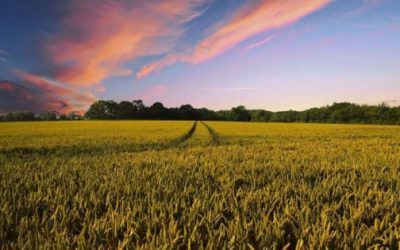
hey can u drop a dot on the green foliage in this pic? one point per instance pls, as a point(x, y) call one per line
point(18, 116)
point(111, 110)
point(240, 114)
point(336, 113)
point(261, 115)
point(185, 185)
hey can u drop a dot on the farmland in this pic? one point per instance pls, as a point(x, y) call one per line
point(214, 185)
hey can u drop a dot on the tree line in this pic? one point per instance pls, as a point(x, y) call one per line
point(125, 110)
point(41, 116)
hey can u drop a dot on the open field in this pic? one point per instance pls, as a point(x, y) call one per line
point(215, 185)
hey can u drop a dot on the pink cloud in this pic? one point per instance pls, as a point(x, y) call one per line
point(6, 86)
point(94, 39)
point(154, 92)
point(246, 22)
point(33, 92)
point(153, 67)
point(98, 37)
point(253, 20)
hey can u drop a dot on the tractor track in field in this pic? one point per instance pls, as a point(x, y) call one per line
point(77, 150)
point(214, 135)
point(189, 134)
point(98, 150)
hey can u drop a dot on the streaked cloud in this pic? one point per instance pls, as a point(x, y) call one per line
point(249, 20)
point(97, 38)
point(35, 93)
point(154, 92)
point(3, 53)
point(94, 39)
point(367, 5)
point(164, 62)
point(229, 88)
point(252, 20)
point(261, 42)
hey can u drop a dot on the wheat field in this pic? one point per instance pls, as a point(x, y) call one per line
point(198, 185)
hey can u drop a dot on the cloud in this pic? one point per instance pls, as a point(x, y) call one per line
point(3, 53)
point(164, 62)
point(252, 20)
point(154, 92)
point(373, 1)
point(35, 93)
point(229, 88)
point(97, 38)
point(261, 42)
point(362, 8)
point(93, 41)
point(249, 20)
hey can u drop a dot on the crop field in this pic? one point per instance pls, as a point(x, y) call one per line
point(198, 185)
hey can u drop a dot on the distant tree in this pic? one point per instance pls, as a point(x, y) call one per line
point(98, 110)
point(47, 116)
point(74, 116)
point(157, 111)
point(64, 117)
point(338, 113)
point(286, 116)
point(140, 109)
point(127, 110)
point(240, 114)
point(187, 112)
point(205, 114)
point(138, 104)
point(261, 116)
point(18, 116)
point(112, 109)
point(386, 114)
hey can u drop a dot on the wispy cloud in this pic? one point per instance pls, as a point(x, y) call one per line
point(94, 40)
point(228, 88)
point(3, 53)
point(365, 6)
point(164, 62)
point(261, 42)
point(154, 92)
point(32, 92)
point(252, 20)
point(98, 37)
point(246, 22)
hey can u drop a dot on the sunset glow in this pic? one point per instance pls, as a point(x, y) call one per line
point(266, 54)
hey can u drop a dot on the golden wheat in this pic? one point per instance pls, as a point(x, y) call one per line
point(214, 185)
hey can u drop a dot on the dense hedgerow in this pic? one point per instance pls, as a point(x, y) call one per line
point(223, 185)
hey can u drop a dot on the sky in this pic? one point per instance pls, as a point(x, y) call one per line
point(263, 54)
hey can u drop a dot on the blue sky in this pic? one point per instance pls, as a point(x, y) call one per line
point(268, 54)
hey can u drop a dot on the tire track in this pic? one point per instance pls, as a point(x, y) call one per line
point(189, 134)
point(214, 135)
point(78, 150)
